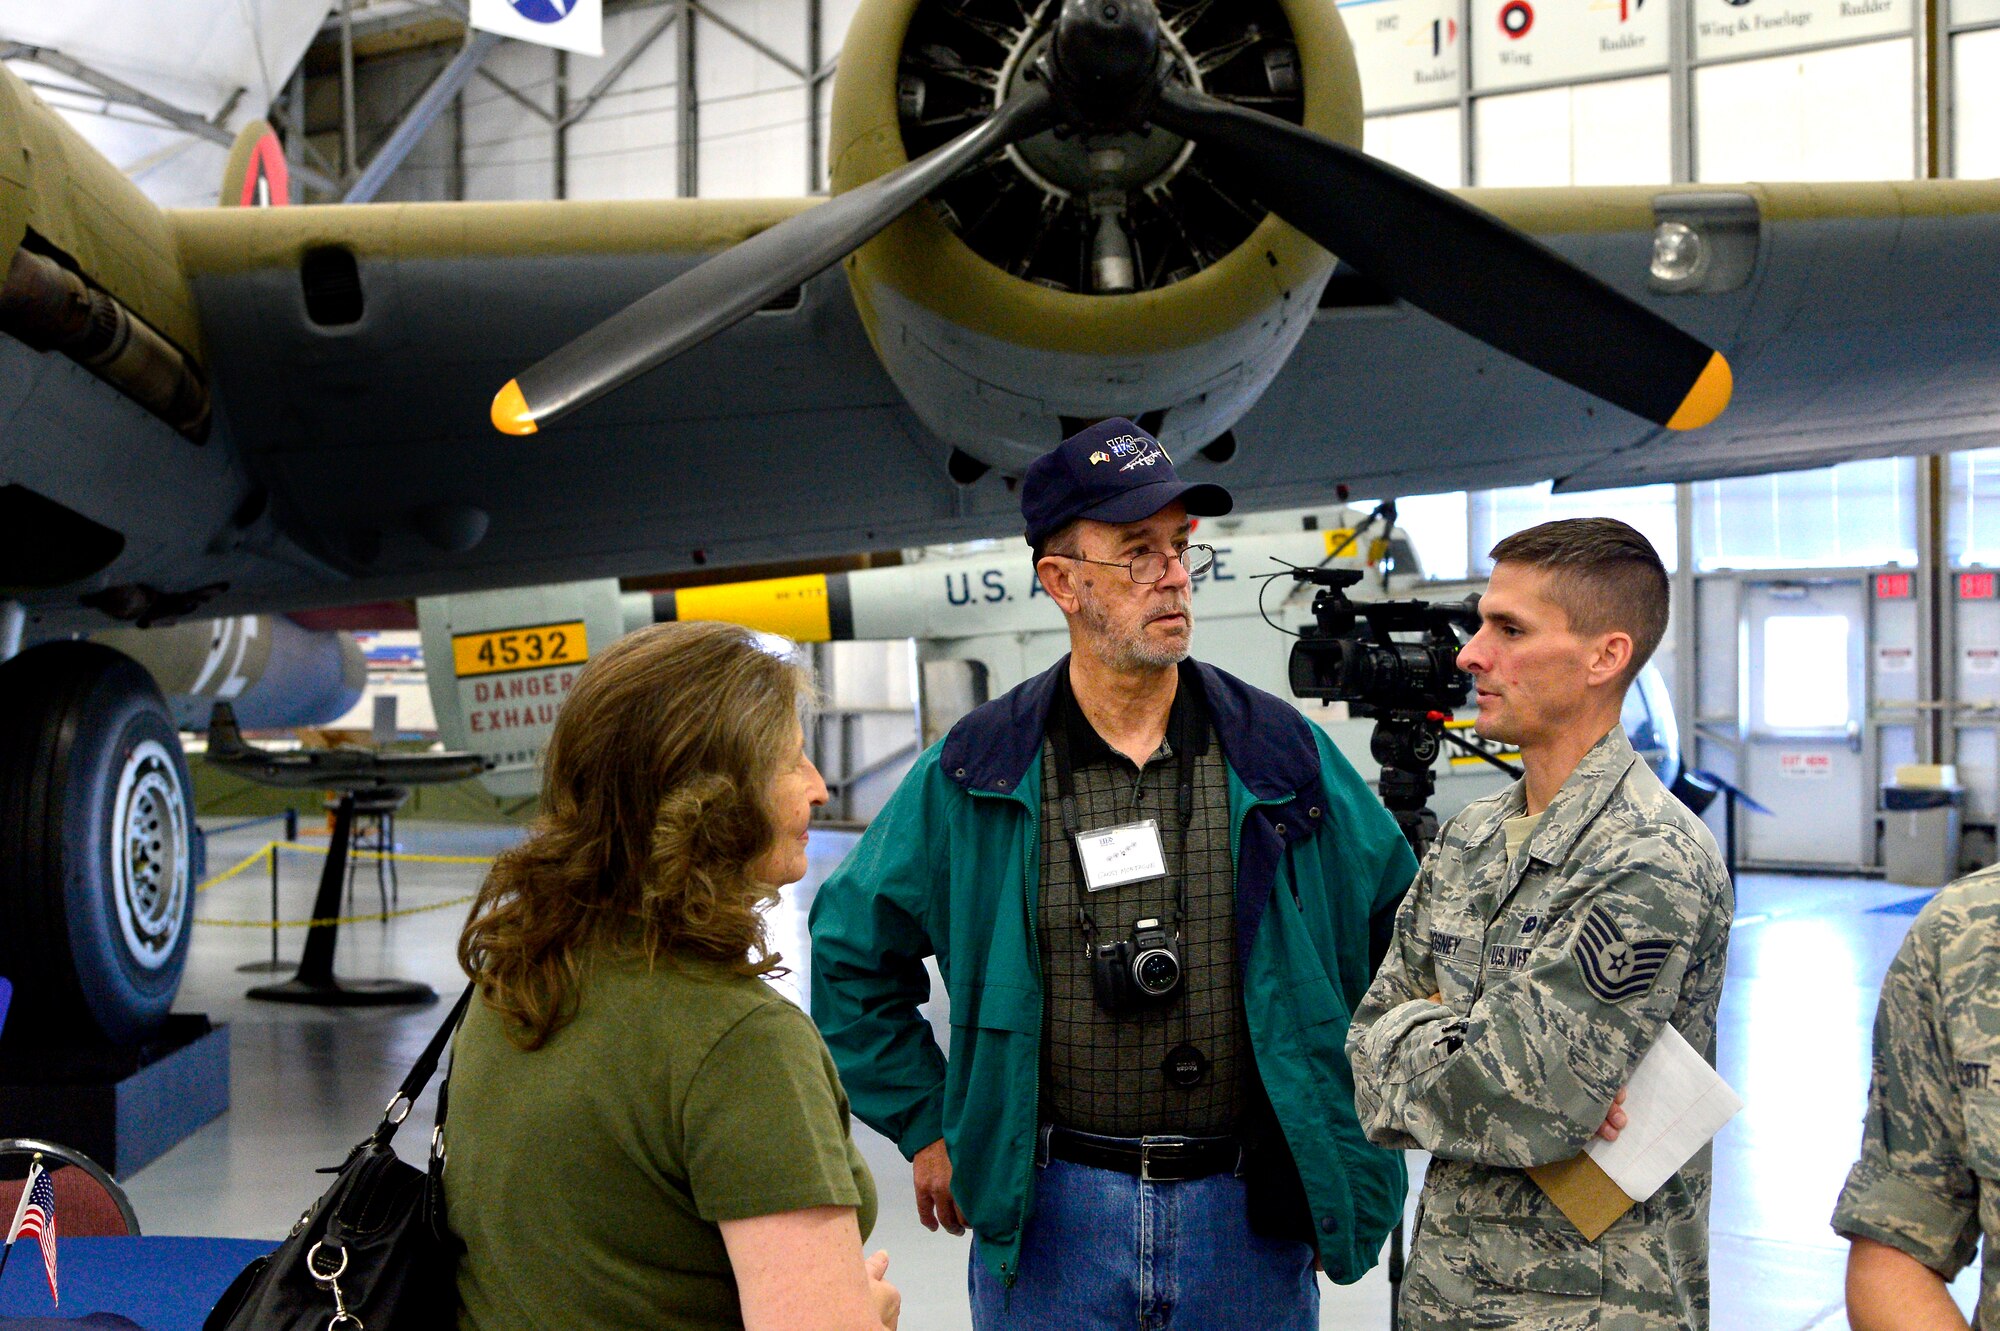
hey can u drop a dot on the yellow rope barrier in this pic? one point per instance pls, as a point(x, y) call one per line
point(337, 920)
point(273, 847)
point(400, 857)
point(228, 874)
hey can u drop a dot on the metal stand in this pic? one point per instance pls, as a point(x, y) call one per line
point(275, 966)
point(315, 983)
point(376, 810)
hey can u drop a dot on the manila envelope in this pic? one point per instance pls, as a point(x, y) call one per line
point(1582, 1191)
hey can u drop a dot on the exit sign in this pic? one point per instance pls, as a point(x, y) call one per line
point(1976, 586)
point(1894, 586)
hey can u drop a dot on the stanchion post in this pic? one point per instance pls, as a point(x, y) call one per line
point(272, 851)
point(291, 824)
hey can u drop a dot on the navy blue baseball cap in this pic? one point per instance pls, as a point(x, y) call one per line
point(1112, 472)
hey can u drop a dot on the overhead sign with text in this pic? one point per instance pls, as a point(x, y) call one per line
point(1409, 51)
point(1750, 27)
point(1519, 42)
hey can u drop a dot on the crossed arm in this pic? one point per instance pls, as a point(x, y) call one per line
point(1537, 1063)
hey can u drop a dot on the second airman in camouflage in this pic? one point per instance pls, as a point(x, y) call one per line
point(1553, 930)
point(1927, 1186)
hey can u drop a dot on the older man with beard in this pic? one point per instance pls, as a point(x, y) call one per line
point(1154, 894)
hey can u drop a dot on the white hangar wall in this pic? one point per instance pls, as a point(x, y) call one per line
point(535, 123)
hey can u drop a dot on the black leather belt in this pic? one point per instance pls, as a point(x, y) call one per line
point(1153, 1159)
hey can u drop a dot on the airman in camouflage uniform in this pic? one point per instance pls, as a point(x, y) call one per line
point(1553, 974)
point(1552, 933)
point(1928, 1181)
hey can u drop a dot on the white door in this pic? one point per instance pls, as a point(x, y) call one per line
point(1804, 698)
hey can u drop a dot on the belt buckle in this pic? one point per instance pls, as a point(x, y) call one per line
point(1147, 1145)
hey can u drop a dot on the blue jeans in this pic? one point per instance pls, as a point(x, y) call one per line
point(1104, 1249)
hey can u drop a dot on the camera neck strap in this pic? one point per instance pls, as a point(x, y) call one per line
point(1180, 733)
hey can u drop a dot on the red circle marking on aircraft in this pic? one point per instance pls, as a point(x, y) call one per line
point(1516, 17)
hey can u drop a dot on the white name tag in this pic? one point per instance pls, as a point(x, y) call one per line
point(1115, 856)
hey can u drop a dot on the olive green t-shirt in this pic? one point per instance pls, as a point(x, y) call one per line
point(588, 1178)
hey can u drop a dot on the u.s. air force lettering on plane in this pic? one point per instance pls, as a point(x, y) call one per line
point(997, 584)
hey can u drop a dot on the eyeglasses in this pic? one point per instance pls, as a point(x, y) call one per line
point(1152, 566)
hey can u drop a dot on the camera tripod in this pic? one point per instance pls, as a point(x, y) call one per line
point(1406, 743)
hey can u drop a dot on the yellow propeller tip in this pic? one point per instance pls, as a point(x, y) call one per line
point(510, 411)
point(1706, 400)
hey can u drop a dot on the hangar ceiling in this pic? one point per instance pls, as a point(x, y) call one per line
point(216, 61)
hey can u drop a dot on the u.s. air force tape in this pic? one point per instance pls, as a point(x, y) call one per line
point(1615, 968)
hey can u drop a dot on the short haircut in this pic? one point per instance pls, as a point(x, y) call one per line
point(1604, 576)
point(1062, 541)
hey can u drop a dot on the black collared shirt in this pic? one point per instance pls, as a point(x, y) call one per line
point(1106, 1074)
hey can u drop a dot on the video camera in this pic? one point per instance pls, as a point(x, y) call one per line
point(1349, 656)
point(1410, 689)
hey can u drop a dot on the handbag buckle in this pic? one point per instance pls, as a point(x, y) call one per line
point(312, 1265)
point(398, 1109)
point(342, 1319)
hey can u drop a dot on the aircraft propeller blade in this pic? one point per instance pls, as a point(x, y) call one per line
point(1460, 264)
point(738, 282)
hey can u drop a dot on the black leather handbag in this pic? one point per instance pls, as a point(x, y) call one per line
point(373, 1253)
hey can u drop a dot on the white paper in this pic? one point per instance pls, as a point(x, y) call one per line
point(1116, 856)
point(1675, 1103)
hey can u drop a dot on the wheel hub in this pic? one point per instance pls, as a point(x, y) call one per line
point(149, 859)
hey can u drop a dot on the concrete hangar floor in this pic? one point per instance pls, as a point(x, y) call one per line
point(1806, 960)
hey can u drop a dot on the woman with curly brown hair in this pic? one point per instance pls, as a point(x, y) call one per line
point(642, 1132)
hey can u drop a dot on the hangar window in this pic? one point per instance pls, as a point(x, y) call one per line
point(1424, 143)
point(1975, 104)
point(1615, 133)
point(1972, 522)
point(1436, 527)
point(1809, 692)
point(332, 282)
point(1841, 114)
point(1496, 514)
point(1857, 515)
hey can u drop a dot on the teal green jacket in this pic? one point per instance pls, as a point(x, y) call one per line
point(950, 869)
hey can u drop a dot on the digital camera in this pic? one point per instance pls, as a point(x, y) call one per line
point(1139, 973)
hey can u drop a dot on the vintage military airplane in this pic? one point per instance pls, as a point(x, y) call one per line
point(330, 769)
point(1125, 207)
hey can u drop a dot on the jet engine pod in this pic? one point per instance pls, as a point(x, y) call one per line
point(1081, 274)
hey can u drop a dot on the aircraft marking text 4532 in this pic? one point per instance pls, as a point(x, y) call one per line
point(534, 648)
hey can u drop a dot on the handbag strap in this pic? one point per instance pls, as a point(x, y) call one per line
point(421, 1073)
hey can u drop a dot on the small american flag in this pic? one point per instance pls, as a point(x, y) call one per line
point(36, 1215)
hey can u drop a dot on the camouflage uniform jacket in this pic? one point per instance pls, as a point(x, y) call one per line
point(1555, 972)
point(1928, 1181)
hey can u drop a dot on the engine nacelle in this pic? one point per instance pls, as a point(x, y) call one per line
point(1077, 278)
point(274, 674)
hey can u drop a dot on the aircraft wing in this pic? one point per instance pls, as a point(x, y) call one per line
point(782, 437)
point(352, 459)
point(1865, 323)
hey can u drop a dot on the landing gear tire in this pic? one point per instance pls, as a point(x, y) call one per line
point(98, 847)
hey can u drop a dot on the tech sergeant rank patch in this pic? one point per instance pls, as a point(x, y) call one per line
point(1614, 968)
